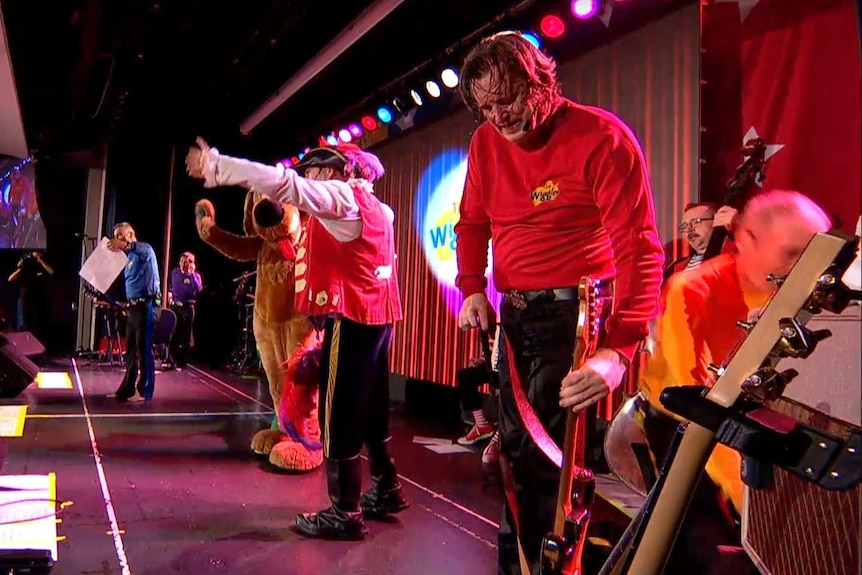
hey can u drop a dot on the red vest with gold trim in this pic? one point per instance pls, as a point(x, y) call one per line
point(356, 280)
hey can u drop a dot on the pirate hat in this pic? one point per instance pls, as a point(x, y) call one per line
point(320, 158)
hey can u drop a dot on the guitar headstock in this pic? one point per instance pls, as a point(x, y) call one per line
point(812, 285)
point(595, 300)
point(751, 171)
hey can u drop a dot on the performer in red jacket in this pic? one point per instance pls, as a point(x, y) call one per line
point(562, 191)
point(346, 283)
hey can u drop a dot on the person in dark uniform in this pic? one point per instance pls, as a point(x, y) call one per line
point(32, 276)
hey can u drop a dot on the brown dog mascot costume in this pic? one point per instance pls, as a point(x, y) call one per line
point(272, 230)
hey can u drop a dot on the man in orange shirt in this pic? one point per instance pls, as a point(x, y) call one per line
point(698, 326)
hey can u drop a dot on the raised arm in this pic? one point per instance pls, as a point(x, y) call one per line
point(331, 201)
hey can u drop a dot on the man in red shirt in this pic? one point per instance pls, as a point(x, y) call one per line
point(347, 285)
point(562, 191)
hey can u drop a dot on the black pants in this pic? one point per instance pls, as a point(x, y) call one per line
point(706, 524)
point(542, 337)
point(354, 401)
point(182, 337)
point(470, 379)
point(140, 363)
point(32, 313)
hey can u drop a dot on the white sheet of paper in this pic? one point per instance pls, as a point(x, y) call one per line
point(28, 516)
point(431, 440)
point(103, 266)
point(445, 449)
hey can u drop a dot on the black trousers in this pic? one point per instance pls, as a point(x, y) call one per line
point(542, 337)
point(354, 405)
point(470, 379)
point(140, 363)
point(706, 525)
point(182, 337)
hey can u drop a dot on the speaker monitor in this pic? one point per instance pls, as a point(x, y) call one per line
point(17, 371)
point(24, 342)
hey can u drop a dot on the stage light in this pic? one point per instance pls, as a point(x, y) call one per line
point(306, 150)
point(552, 26)
point(432, 88)
point(401, 105)
point(584, 9)
point(344, 135)
point(416, 97)
point(449, 77)
point(384, 114)
point(294, 160)
point(533, 39)
point(332, 140)
point(300, 155)
point(369, 123)
point(355, 130)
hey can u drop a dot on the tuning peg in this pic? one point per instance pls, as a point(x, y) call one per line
point(746, 325)
point(820, 334)
point(788, 375)
point(716, 369)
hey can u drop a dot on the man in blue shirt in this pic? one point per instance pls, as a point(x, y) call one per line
point(142, 289)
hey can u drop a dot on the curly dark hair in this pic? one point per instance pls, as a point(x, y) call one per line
point(515, 63)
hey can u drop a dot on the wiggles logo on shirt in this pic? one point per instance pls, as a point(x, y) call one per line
point(547, 192)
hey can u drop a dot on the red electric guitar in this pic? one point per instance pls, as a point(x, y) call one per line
point(563, 548)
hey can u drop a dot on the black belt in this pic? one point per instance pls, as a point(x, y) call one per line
point(142, 300)
point(519, 299)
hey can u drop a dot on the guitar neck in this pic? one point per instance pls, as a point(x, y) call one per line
point(716, 243)
point(573, 458)
point(672, 501)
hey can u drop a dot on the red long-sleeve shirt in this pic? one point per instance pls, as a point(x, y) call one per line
point(571, 198)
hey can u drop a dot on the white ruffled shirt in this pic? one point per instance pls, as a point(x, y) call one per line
point(331, 201)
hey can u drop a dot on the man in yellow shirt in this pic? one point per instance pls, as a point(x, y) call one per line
point(698, 326)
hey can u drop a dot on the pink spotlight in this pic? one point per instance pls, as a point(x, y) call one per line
point(584, 9)
point(355, 130)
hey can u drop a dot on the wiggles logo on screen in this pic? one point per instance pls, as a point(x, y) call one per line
point(437, 211)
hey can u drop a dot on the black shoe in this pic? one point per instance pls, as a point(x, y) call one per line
point(332, 523)
point(377, 502)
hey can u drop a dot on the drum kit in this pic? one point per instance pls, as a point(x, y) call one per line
point(244, 360)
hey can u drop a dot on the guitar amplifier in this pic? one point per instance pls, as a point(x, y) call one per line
point(796, 527)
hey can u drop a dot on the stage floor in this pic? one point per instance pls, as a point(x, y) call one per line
point(171, 486)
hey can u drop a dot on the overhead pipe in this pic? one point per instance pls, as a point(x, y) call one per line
point(372, 16)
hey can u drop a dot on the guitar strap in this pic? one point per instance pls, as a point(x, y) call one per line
point(531, 422)
point(537, 433)
point(509, 489)
point(505, 467)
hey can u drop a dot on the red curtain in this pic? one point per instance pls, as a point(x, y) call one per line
point(796, 69)
point(649, 78)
